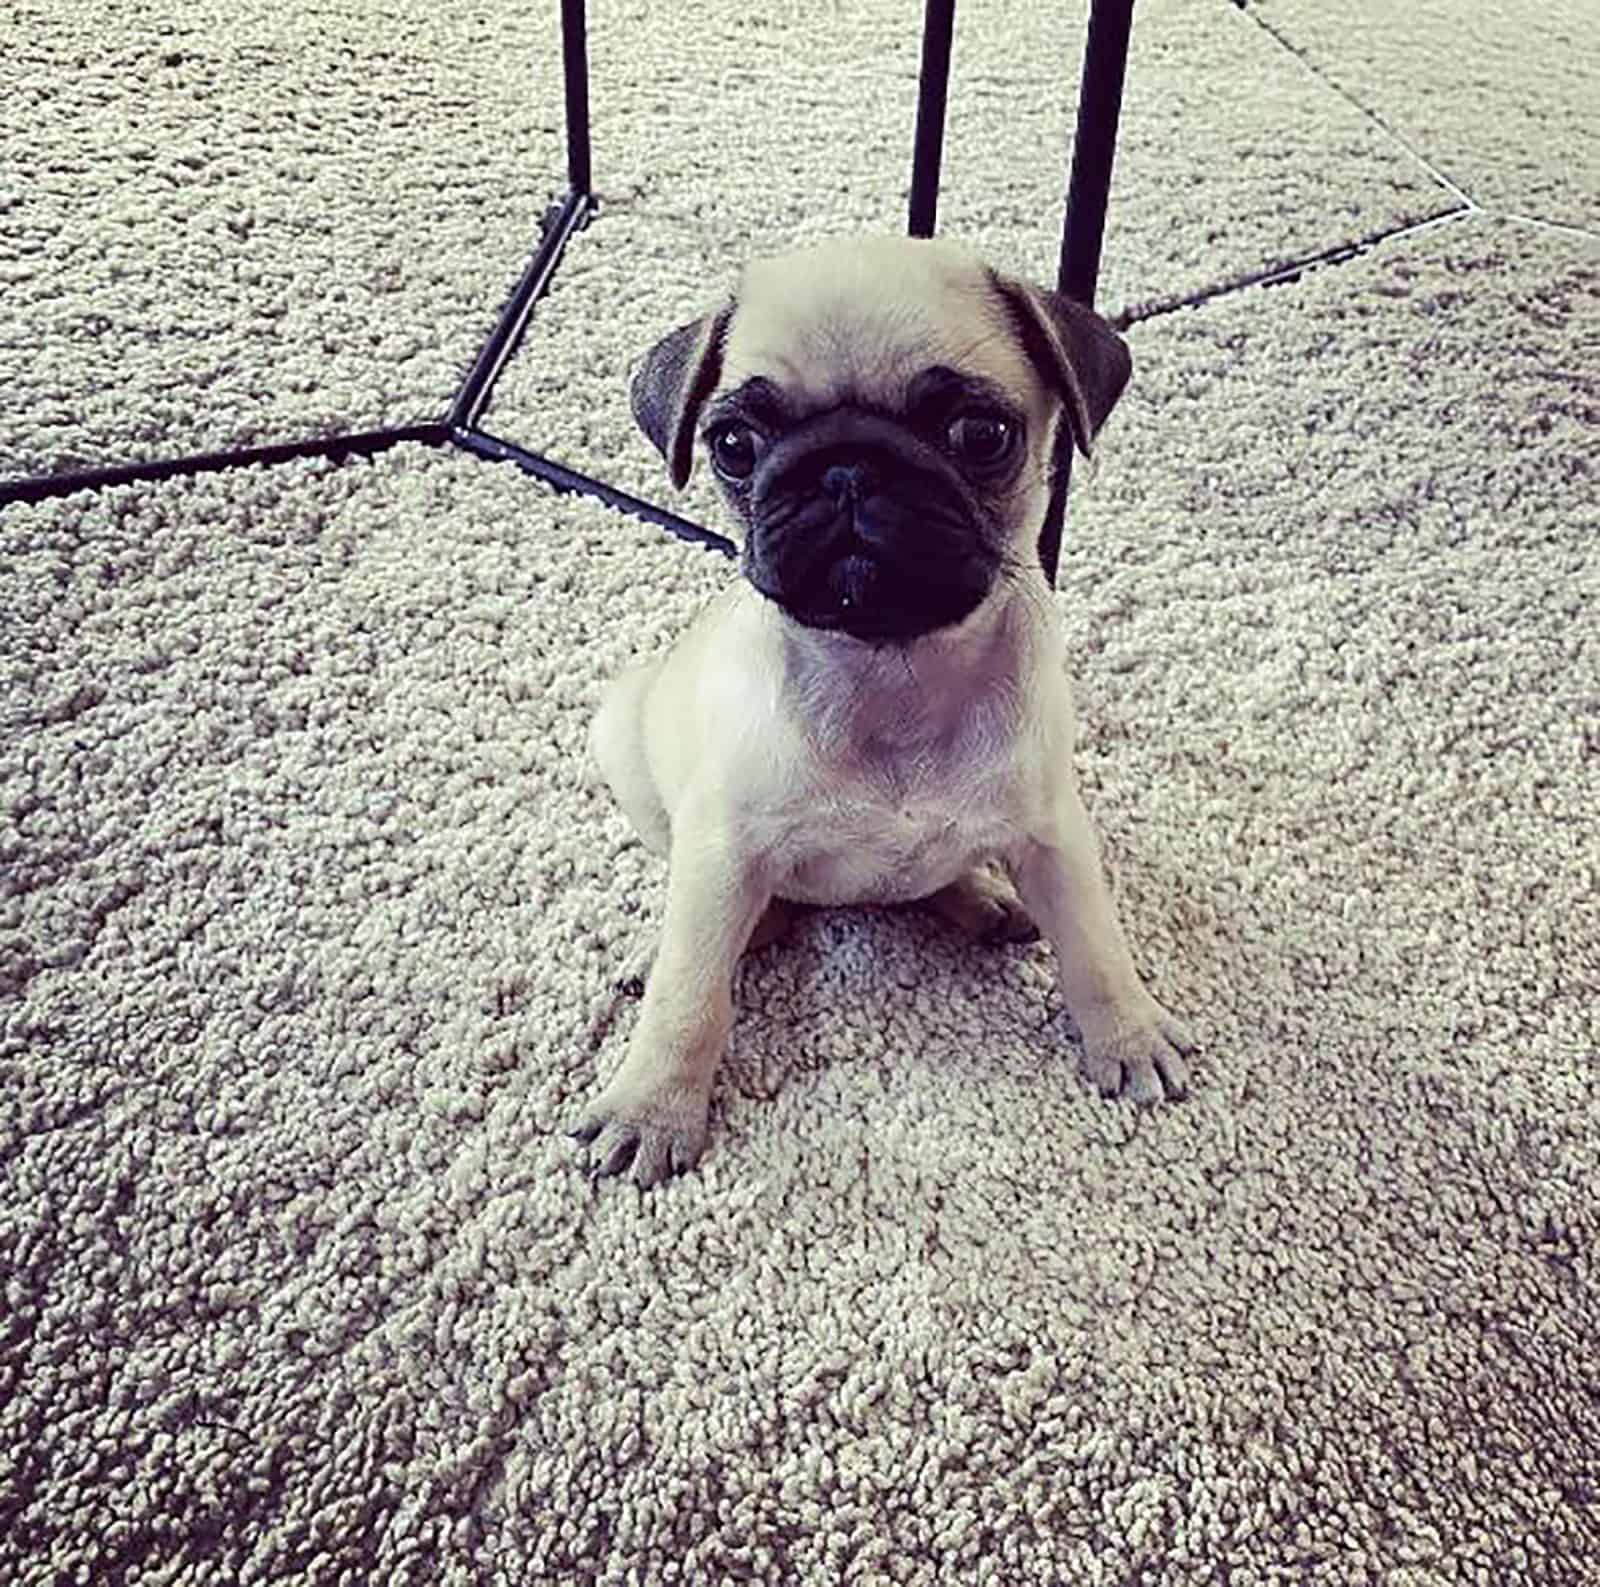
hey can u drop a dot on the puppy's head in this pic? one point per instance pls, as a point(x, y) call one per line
point(880, 414)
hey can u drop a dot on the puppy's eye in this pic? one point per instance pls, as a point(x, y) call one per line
point(982, 440)
point(734, 450)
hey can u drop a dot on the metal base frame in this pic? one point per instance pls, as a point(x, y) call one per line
point(1094, 147)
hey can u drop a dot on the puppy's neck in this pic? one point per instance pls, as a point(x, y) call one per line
point(853, 695)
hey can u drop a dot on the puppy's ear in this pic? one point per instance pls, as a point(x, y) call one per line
point(672, 384)
point(1081, 358)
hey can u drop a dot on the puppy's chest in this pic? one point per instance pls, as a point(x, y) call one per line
point(889, 827)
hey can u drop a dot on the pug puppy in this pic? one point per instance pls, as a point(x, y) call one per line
point(877, 712)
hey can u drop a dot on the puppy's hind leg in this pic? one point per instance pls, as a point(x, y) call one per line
point(618, 748)
point(982, 904)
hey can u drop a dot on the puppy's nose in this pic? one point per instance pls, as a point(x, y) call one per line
point(846, 481)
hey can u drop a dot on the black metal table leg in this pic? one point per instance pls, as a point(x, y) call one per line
point(560, 222)
point(938, 24)
point(1094, 147)
point(575, 71)
point(1105, 62)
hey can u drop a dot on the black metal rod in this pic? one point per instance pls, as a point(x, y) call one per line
point(365, 443)
point(1281, 274)
point(570, 481)
point(575, 68)
point(933, 82)
point(1094, 148)
point(502, 343)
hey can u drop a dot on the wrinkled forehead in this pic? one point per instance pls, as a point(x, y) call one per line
point(859, 322)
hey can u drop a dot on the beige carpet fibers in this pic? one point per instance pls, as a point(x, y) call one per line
point(1500, 95)
point(309, 918)
point(1233, 159)
point(308, 923)
point(223, 225)
point(761, 123)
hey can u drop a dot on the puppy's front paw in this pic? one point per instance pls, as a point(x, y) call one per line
point(648, 1133)
point(1139, 1054)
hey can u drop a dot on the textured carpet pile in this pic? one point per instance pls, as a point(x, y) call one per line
point(309, 919)
point(226, 225)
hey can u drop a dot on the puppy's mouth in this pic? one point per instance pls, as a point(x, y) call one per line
point(869, 545)
point(846, 595)
point(855, 593)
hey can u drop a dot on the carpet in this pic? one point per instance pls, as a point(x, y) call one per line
point(1492, 95)
point(224, 226)
point(309, 920)
point(1233, 160)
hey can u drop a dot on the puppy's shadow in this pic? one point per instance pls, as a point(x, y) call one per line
point(842, 987)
